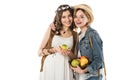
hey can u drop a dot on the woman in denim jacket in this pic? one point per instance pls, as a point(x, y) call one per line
point(83, 17)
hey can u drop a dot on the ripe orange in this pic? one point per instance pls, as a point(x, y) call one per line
point(83, 62)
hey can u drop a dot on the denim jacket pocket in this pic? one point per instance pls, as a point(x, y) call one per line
point(85, 44)
point(86, 49)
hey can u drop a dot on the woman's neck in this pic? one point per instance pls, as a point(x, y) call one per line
point(65, 29)
point(83, 29)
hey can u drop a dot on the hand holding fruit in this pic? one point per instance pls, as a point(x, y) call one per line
point(79, 70)
point(79, 65)
point(65, 49)
point(57, 49)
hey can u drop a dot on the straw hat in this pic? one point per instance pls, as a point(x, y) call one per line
point(86, 8)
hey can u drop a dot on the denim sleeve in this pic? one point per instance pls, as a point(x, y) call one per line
point(97, 52)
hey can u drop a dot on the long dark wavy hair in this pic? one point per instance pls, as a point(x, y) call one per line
point(58, 16)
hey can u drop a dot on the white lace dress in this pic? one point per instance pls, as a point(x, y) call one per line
point(56, 66)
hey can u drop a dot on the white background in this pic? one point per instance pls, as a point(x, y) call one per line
point(24, 22)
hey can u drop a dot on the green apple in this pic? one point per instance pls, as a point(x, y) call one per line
point(64, 46)
point(75, 62)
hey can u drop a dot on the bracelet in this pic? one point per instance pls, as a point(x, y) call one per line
point(46, 52)
point(50, 50)
point(42, 51)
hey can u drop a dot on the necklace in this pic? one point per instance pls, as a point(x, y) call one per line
point(65, 31)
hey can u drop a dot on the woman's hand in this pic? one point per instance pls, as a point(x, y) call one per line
point(52, 26)
point(66, 52)
point(57, 49)
point(62, 51)
point(79, 70)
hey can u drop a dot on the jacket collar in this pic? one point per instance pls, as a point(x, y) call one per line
point(87, 31)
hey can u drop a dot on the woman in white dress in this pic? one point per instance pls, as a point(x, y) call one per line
point(56, 62)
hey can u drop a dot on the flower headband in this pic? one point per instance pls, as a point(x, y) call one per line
point(63, 8)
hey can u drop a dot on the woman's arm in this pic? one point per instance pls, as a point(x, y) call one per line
point(97, 52)
point(44, 41)
point(79, 70)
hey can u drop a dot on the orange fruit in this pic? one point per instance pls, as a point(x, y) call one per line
point(83, 61)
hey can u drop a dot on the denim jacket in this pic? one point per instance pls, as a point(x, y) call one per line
point(94, 54)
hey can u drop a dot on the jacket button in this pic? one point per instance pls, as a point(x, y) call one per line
point(86, 47)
